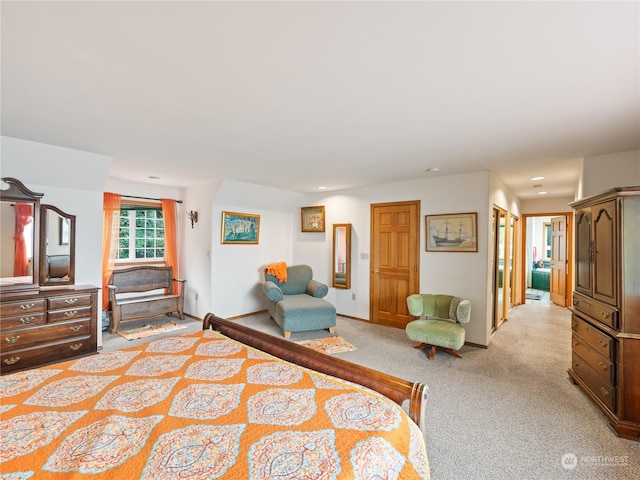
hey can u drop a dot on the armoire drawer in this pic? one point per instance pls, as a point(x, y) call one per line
point(600, 388)
point(598, 340)
point(600, 364)
point(32, 337)
point(599, 311)
point(36, 356)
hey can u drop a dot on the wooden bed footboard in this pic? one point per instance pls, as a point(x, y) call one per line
point(409, 395)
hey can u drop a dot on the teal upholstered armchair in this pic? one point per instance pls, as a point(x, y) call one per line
point(297, 304)
point(438, 323)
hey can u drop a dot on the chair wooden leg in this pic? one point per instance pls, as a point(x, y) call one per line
point(420, 345)
point(287, 334)
point(432, 353)
point(451, 351)
point(332, 329)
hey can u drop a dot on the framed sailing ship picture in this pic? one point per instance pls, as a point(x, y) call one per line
point(452, 232)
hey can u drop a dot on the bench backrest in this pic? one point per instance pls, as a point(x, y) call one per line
point(142, 279)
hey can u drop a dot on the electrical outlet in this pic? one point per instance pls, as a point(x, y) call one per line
point(196, 295)
point(353, 296)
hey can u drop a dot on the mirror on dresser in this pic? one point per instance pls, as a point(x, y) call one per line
point(342, 255)
point(57, 246)
point(20, 230)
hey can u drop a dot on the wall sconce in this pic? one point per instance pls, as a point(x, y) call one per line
point(193, 216)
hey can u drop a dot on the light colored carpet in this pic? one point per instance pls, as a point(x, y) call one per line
point(502, 413)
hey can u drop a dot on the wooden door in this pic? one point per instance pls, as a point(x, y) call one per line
point(395, 240)
point(558, 283)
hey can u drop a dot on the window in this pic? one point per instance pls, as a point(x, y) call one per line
point(141, 233)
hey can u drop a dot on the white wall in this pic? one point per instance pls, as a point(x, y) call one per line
point(599, 173)
point(461, 274)
point(73, 181)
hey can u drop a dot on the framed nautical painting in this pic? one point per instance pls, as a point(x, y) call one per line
point(312, 219)
point(452, 232)
point(240, 228)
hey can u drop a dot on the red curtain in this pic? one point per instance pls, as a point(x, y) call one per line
point(170, 235)
point(110, 235)
point(24, 216)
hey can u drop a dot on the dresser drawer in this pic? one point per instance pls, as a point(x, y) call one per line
point(601, 365)
point(597, 310)
point(600, 388)
point(21, 321)
point(56, 303)
point(70, 314)
point(31, 337)
point(37, 356)
point(22, 307)
point(599, 341)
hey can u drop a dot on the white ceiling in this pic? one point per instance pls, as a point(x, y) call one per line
point(295, 95)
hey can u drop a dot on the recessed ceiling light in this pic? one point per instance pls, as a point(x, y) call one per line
point(535, 179)
point(433, 169)
point(322, 188)
point(153, 177)
point(541, 193)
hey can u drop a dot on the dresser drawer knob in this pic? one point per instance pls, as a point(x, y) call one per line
point(604, 366)
point(70, 313)
point(575, 343)
point(605, 315)
point(12, 339)
point(11, 361)
point(75, 346)
point(70, 301)
point(27, 306)
point(604, 391)
point(27, 320)
point(602, 343)
point(75, 328)
point(574, 324)
point(576, 301)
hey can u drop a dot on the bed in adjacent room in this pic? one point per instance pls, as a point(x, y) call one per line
point(213, 404)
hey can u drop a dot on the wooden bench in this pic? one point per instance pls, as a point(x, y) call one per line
point(139, 280)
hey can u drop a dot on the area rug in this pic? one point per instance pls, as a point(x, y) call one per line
point(150, 330)
point(533, 296)
point(329, 345)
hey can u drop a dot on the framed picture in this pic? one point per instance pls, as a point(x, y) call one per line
point(64, 231)
point(455, 232)
point(240, 228)
point(312, 219)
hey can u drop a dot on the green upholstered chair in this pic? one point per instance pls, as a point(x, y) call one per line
point(297, 305)
point(438, 322)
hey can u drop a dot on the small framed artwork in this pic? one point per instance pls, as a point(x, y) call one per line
point(240, 228)
point(454, 232)
point(64, 231)
point(312, 219)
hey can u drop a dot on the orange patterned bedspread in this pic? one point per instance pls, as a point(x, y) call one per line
point(199, 406)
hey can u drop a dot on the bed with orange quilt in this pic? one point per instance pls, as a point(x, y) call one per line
point(206, 405)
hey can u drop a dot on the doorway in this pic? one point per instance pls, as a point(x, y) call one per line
point(395, 243)
point(505, 228)
point(547, 275)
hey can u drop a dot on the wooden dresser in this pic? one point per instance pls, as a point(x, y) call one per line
point(48, 326)
point(606, 305)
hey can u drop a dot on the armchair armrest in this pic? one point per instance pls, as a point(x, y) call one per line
point(317, 289)
point(272, 291)
point(463, 311)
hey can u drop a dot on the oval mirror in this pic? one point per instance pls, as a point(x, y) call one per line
point(19, 229)
point(342, 255)
point(57, 246)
